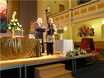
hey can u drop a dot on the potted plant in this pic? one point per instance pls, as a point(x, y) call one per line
point(31, 34)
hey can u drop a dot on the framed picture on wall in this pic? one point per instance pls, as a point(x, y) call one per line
point(3, 16)
point(49, 8)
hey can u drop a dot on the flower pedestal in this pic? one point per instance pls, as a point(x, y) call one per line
point(13, 33)
point(60, 36)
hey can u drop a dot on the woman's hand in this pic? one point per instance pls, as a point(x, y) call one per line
point(47, 30)
point(43, 27)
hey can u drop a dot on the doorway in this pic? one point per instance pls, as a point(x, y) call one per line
point(61, 8)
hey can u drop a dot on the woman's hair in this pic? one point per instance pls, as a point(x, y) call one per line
point(39, 20)
point(50, 20)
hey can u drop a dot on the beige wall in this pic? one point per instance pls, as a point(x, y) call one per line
point(55, 5)
point(13, 6)
point(74, 3)
point(97, 28)
point(66, 34)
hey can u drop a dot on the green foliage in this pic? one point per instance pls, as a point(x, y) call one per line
point(31, 32)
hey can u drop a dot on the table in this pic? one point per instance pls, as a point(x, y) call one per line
point(87, 43)
point(17, 48)
point(63, 45)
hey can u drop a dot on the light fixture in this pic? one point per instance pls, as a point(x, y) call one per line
point(92, 26)
point(102, 21)
point(65, 28)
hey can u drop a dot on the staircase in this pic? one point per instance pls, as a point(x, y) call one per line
point(52, 71)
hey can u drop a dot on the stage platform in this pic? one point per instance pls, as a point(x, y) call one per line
point(8, 64)
point(45, 59)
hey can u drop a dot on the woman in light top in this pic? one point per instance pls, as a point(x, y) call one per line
point(51, 28)
point(39, 29)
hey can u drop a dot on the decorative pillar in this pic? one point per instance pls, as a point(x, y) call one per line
point(71, 19)
point(70, 23)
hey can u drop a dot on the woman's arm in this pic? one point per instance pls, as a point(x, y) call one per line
point(37, 27)
point(54, 27)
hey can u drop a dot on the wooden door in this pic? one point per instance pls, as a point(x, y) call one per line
point(61, 8)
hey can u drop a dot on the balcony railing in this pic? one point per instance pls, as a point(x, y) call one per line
point(84, 12)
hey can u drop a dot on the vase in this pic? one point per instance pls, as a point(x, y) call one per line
point(86, 36)
point(13, 33)
point(60, 36)
point(31, 36)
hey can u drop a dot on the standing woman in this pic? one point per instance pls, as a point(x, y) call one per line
point(39, 29)
point(51, 28)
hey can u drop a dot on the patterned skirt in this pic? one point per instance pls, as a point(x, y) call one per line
point(50, 38)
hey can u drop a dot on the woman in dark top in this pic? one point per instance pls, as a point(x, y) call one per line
point(39, 29)
point(51, 28)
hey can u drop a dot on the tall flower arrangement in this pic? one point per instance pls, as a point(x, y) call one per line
point(32, 30)
point(14, 24)
point(60, 28)
point(86, 31)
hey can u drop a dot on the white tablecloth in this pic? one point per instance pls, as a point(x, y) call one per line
point(63, 45)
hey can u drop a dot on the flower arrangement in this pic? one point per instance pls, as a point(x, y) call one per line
point(76, 53)
point(60, 28)
point(83, 52)
point(14, 24)
point(32, 30)
point(86, 31)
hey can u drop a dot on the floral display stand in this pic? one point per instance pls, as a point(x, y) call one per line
point(87, 43)
point(13, 33)
point(14, 26)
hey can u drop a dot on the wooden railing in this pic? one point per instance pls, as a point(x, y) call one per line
point(88, 11)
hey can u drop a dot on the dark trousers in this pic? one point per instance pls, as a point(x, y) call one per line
point(49, 48)
point(42, 46)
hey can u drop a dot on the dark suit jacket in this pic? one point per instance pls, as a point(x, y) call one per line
point(39, 31)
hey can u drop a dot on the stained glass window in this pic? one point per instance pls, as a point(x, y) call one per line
point(3, 16)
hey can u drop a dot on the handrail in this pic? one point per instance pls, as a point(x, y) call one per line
point(59, 13)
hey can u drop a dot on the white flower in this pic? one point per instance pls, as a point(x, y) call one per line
point(17, 23)
point(20, 25)
point(16, 19)
point(18, 29)
point(12, 20)
point(9, 27)
point(14, 24)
